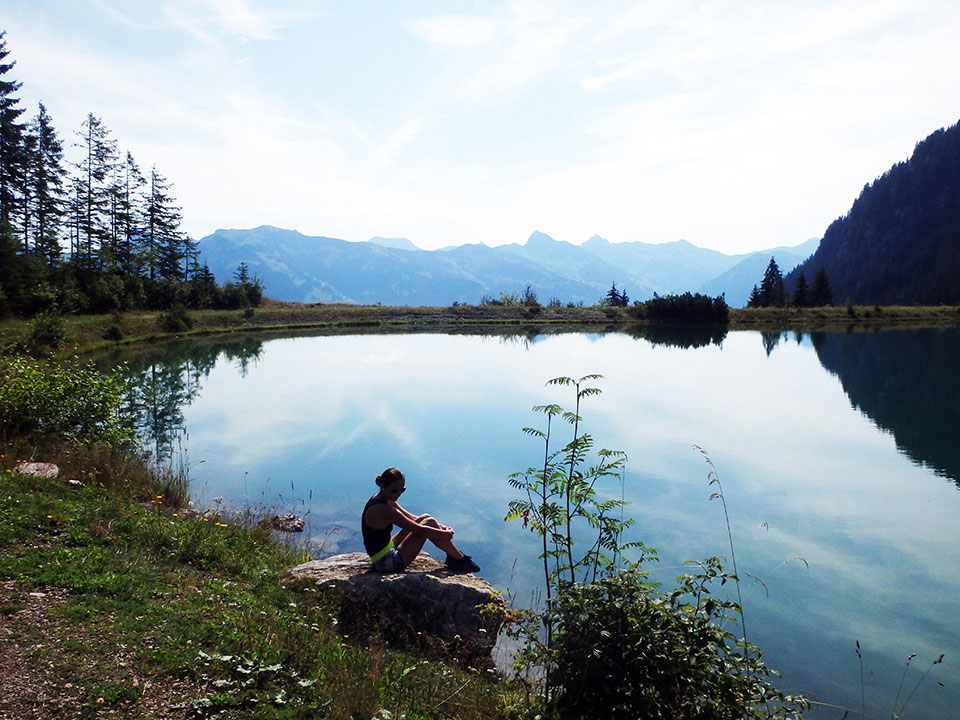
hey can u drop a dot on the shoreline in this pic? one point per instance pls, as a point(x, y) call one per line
point(85, 334)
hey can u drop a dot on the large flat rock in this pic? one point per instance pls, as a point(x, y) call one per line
point(428, 606)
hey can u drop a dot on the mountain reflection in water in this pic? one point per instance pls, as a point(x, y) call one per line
point(907, 383)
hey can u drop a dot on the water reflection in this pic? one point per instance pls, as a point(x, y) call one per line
point(308, 422)
point(164, 379)
point(905, 381)
point(680, 336)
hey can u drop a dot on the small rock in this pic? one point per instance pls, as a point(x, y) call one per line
point(38, 469)
point(284, 523)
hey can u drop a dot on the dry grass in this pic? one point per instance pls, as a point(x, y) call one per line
point(843, 317)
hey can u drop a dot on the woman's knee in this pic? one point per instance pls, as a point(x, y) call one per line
point(428, 520)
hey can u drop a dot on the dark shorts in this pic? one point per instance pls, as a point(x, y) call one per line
point(389, 563)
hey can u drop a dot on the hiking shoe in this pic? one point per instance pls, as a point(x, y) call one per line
point(461, 565)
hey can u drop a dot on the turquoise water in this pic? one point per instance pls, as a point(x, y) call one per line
point(837, 453)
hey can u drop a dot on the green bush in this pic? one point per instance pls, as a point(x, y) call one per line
point(176, 319)
point(47, 330)
point(689, 307)
point(76, 402)
point(530, 297)
point(113, 332)
point(623, 650)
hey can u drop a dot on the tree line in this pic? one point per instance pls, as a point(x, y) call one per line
point(98, 234)
point(772, 291)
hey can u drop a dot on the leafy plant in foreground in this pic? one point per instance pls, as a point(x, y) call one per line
point(609, 642)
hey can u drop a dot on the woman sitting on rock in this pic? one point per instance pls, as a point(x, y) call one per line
point(393, 554)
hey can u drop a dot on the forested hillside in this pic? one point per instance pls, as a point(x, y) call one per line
point(900, 242)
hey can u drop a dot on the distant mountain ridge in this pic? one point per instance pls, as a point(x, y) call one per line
point(297, 267)
point(393, 271)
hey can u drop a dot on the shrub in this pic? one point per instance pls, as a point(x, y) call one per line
point(76, 402)
point(47, 330)
point(176, 319)
point(688, 307)
point(621, 649)
point(530, 297)
point(113, 332)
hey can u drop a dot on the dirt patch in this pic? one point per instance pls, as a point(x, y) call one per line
point(38, 677)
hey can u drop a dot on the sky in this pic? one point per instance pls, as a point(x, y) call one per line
point(736, 125)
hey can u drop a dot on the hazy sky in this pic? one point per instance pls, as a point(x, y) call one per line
point(737, 125)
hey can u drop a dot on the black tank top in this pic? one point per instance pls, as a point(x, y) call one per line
point(374, 540)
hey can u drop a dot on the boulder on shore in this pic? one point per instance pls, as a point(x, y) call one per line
point(288, 522)
point(451, 614)
point(38, 469)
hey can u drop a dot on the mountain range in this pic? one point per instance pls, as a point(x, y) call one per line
point(393, 271)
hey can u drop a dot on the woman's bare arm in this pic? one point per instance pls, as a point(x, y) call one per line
point(410, 524)
point(413, 517)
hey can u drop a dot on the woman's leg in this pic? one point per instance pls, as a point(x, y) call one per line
point(408, 546)
point(446, 545)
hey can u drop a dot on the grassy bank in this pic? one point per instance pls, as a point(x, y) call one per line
point(842, 317)
point(91, 332)
point(115, 600)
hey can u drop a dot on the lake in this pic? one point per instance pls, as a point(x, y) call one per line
point(838, 454)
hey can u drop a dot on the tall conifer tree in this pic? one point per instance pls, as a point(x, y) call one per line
point(801, 295)
point(129, 217)
point(162, 230)
point(12, 159)
point(96, 169)
point(771, 287)
point(822, 293)
point(45, 186)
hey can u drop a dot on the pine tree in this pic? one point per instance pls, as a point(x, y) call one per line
point(755, 299)
point(615, 298)
point(203, 288)
point(771, 287)
point(800, 295)
point(45, 187)
point(96, 171)
point(822, 293)
point(12, 158)
point(162, 230)
point(9, 268)
point(28, 148)
point(74, 215)
point(191, 257)
point(128, 216)
point(242, 273)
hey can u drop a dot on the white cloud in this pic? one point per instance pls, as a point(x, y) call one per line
point(455, 30)
point(208, 20)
